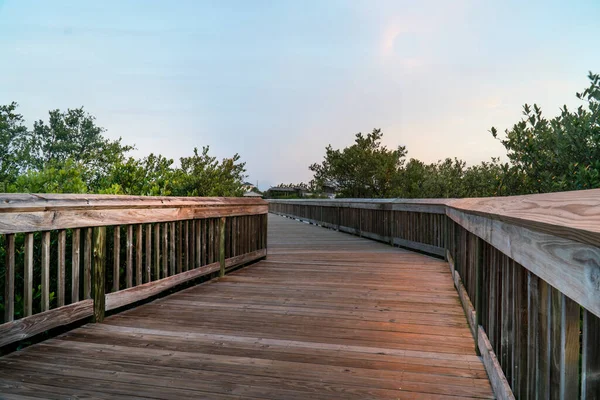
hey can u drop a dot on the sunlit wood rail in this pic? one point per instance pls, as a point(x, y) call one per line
point(326, 316)
point(527, 269)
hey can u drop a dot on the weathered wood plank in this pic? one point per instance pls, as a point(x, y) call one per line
point(75, 265)
point(87, 264)
point(99, 275)
point(590, 357)
point(129, 262)
point(116, 258)
point(27, 327)
point(139, 255)
point(60, 276)
point(148, 267)
point(28, 276)
point(571, 267)
point(9, 278)
point(45, 286)
point(30, 221)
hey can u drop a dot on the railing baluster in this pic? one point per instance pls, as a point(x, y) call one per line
point(28, 276)
point(139, 256)
point(87, 264)
point(179, 246)
point(165, 255)
point(198, 228)
point(222, 246)
point(172, 269)
point(116, 258)
point(148, 252)
point(9, 283)
point(129, 265)
point(590, 357)
point(60, 279)
point(99, 276)
point(45, 271)
point(186, 249)
point(156, 252)
point(75, 261)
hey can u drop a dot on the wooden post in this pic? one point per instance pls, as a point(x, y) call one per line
point(222, 246)
point(99, 261)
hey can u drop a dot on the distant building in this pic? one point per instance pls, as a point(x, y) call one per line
point(283, 192)
point(248, 187)
point(330, 189)
point(253, 194)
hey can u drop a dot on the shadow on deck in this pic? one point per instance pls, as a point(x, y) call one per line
point(326, 316)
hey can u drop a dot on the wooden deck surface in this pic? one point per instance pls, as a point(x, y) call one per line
point(326, 316)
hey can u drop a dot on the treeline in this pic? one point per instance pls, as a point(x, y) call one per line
point(545, 155)
point(70, 154)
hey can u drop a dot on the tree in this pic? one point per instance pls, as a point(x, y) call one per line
point(562, 153)
point(150, 176)
point(202, 175)
point(73, 136)
point(365, 169)
point(12, 132)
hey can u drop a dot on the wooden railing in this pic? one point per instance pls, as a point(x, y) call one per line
point(68, 257)
point(527, 269)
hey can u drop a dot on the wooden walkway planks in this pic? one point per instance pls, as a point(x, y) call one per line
point(326, 316)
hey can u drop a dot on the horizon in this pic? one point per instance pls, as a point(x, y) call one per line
point(276, 82)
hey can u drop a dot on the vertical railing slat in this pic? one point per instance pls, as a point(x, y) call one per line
point(139, 256)
point(156, 251)
point(9, 279)
point(45, 271)
point(99, 275)
point(165, 250)
point(87, 264)
point(75, 261)
point(172, 269)
point(129, 265)
point(590, 357)
point(148, 253)
point(116, 258)
point(60, 279)
point(28, 276)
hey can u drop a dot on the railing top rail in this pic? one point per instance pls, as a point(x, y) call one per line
point(33, 212)
point(24, 202)
point(573, 215)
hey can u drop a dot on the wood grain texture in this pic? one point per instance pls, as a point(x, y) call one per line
point(28, 276)
point(571, 267)
point(45, 286)
point(75, 264)
point(116, 259)
point(31, 221)
point(99, 272)
point(87, 264)
point(24, 328)
point(327, 316)
point(61, 273)
point(590, 357)
point(9, 278)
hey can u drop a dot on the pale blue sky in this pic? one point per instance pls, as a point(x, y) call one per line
point(276, 81)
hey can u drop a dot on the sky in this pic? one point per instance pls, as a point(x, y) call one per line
point(277, 81)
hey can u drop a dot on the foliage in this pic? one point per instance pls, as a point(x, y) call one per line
point(70, 154)
point(202, 175)
point(546, 155)
point(562, 153)
point(11, 132)
point(365, 169)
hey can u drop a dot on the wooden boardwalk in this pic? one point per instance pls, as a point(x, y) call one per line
point(326, 316)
